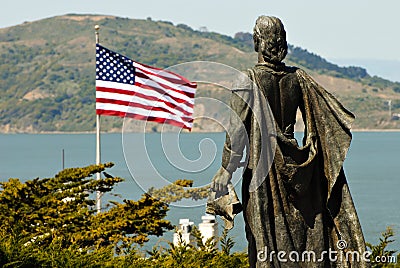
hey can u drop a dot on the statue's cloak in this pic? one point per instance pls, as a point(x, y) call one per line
point(296, 198)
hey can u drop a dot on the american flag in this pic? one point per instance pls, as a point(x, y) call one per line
point(128, 88)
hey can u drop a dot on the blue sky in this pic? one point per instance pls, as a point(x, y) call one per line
point(358, 32)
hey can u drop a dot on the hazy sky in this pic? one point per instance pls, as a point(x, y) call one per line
point(341, 29)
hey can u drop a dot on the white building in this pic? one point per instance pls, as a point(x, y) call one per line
point(208, 229)
point(183, 234)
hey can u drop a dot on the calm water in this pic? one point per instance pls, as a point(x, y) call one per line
point(372, 169)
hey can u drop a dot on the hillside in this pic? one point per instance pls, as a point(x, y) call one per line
point(47, 70)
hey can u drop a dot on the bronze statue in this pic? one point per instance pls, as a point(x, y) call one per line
point(297, 207)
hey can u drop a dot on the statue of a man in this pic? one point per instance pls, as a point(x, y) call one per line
point(297, 207)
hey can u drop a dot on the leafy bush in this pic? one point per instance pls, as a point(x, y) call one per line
point(202, 254)
point(52, 222)
point(382, 254)
point(61, 209)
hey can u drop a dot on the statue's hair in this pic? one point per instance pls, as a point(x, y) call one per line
point(270, 38)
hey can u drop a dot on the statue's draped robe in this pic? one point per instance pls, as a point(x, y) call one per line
point(302, 202)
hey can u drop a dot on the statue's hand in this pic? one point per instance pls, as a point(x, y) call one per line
point(220, 181)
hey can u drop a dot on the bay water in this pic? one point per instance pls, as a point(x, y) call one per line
point(154, 159)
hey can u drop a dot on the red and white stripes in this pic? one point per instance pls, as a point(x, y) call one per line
point(157, 95)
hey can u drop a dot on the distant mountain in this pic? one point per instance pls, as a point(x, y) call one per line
point(47, 70)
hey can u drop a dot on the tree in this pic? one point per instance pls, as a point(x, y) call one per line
point(382, 257)
point(176, 191)
point(52, 222)
point(62, 209)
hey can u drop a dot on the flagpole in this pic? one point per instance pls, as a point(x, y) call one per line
point(98, 158)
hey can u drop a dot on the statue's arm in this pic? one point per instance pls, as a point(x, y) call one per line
point(236, 139)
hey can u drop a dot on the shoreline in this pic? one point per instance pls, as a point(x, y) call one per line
point(120, 132)
point(374, 130)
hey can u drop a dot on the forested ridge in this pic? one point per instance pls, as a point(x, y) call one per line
point(47, 81)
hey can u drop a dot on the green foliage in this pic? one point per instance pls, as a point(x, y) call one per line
point(317, 63)
point(380, 251)
point(52, 223)
point(202, 254)
point(396, 104)
point(396, 89)
point(16, 252)
point(61, 209)
point(245, 38)
point(379, 82)
point(176, 191)
point(184, 183)
point(227, 242)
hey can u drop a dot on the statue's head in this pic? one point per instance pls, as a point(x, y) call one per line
point(270, 39)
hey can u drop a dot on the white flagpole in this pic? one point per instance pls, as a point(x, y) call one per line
point(98, 159)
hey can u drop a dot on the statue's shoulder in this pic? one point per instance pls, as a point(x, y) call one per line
point(243, 81)
point(280, 69)
point(300, 73)
point(247, 79)
point(291, 69)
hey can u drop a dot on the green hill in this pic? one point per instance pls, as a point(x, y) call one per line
point(47, 68)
